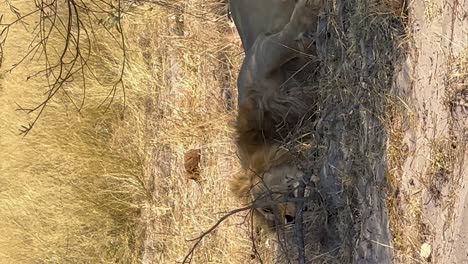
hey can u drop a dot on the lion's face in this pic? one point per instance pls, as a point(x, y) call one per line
point(270, 182)
point(273, 192)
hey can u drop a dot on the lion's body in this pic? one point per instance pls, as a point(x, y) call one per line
point(253, 18)
point(273, 44)
point(270, 104)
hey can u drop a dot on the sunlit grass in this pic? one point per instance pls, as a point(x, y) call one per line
point(107, 185)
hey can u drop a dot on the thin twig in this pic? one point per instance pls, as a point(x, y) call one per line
point(189, 256)
point(65, 20)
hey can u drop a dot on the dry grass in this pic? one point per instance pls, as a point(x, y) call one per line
point(431, 10)
point(99, 187)
point(404, 204)
point(358, 74)
point(197, 63)
point(441, 168)
point(71, 189)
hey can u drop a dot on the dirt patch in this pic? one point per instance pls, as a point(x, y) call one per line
point(433, 174)
point(192, 164)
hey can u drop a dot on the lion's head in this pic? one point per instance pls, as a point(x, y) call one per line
point(270, 181)
point(270, 176)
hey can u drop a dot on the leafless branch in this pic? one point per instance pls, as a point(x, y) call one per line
point(72, 22)
point(198, 240)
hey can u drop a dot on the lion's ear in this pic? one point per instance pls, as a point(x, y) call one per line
point(241, 185)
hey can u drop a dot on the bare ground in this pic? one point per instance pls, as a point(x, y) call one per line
point(432, 84)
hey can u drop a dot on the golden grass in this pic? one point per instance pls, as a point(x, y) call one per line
point(71, 189)
point(403, 204)
point(431, 10)
point(99, 187)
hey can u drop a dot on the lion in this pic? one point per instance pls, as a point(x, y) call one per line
point(275, 36)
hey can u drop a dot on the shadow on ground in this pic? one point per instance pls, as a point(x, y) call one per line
point(358, 48)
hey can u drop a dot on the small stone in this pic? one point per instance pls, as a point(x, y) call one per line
point(426, 250)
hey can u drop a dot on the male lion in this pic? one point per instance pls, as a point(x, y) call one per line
point(275, 37)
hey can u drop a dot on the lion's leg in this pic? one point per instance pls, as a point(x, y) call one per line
point(272, 51)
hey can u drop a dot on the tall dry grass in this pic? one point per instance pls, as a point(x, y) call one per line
point(109, 186)
point(72, 188)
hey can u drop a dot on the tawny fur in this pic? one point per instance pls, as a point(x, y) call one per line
point(266, 120)
point(262, 159)
point(266, 158)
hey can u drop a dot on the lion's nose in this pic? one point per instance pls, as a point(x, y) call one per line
point(289, 219)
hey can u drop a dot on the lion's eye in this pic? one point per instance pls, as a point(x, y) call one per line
point(267, 210)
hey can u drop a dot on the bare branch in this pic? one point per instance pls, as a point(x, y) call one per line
point(73, 22)
point(198, 240)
